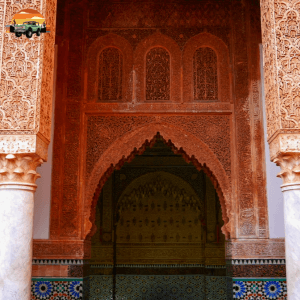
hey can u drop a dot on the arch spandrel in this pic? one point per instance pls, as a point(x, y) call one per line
point(125, 148)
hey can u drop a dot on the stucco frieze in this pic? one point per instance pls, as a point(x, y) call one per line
point(17, 144)
point(255, 248)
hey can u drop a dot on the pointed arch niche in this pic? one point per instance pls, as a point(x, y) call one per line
point(172, 210)
point(168, 48)
point(181, 142)
point(109, 54)
point(217, 46)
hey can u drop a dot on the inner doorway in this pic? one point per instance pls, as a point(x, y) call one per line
point(158, 232)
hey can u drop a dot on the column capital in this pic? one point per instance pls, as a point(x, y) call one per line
point(290, 168)
point(19, 169)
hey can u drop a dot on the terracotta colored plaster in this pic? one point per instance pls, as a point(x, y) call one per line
point(232, 150)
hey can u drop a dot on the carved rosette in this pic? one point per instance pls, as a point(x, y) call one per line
point(19, 169)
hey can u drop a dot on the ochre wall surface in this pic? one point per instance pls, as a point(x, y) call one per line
point(93, 134)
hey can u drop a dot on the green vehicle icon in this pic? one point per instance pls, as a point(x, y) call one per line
point(28, 28)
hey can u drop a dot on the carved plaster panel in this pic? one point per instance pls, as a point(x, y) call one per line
point(280, 27)
point(255, 248)
point(97, 138)
point(284, 143)
point(15, 144)
point(62, 249)
point(26, 73)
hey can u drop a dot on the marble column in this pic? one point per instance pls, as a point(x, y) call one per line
point(17, 187)
point(290, 174)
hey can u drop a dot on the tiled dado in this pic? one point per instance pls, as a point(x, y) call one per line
point(56, 288)
point(167, 287)
point(256, 279)
point(258, 289)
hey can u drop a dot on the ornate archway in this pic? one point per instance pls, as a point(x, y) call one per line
point(191, 148)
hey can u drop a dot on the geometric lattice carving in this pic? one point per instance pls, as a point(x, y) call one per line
point(205, 74)
point(158, 74)
point(110, 75)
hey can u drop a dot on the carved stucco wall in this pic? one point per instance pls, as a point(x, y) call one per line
point(26, 68)
point(281, 65)
point(85, 147)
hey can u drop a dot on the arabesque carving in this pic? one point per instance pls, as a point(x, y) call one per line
point(255, 248)
point(26, 67)
point(158, 74)
point(18, 144)
point(61, 249)
point(110, 74)
point(165, 62)
point(281, 64)
point(219, 66)
point(19, 168)
point(205, 74)
point(93, 58)
point(98, 136)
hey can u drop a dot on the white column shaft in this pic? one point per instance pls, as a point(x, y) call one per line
point(291, 196)
point(16, 226)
